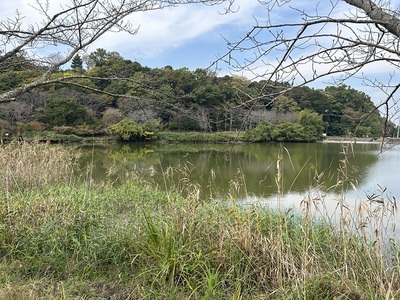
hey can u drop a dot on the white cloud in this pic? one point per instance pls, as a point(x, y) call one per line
point(169, 28)
point(26, 8)
point(160, 31)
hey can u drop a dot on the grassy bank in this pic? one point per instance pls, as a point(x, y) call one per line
point(79, 241)
point(167, 136)
point(202, 137)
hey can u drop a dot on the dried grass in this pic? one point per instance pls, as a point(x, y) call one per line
point(35, 165)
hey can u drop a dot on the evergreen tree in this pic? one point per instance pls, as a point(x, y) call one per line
point(77, 63)
point(64, 112)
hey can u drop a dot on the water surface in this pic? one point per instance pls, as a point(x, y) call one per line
point(354, 184)
point(261, 170)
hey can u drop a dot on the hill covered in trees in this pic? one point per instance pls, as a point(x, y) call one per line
point(110, 94)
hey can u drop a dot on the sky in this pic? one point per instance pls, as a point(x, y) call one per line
point(189, 36)
point(193, 36)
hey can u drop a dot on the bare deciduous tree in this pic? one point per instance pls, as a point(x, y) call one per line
point(76, 25)
point(337, 41)
point(15, 112)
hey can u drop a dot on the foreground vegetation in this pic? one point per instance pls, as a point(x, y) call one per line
point(64, 240)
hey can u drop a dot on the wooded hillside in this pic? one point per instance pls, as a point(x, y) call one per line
point(105, 88)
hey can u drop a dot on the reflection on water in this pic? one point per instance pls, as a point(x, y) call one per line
point(317, 176)
point(247, 169)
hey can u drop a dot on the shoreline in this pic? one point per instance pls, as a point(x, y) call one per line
point(386, 142)
point(352, 141)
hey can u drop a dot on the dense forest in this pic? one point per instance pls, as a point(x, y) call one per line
point(108, 94)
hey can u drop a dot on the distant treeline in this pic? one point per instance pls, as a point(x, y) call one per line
point(108, 89)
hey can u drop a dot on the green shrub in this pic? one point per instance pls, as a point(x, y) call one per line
point(130, 131)
point(290, 132)
point(309, 128)
point(264, 132)
point(64, 112)
point(185, 123)
point(313, 125)
point(152, 125)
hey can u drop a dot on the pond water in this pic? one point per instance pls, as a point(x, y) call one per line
point(313, 176)
point(261, 170)
point(353, 182)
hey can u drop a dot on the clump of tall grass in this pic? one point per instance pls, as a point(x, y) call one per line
point(371, 217)
point(34, 165)
point(132, 242)
point(138, 242)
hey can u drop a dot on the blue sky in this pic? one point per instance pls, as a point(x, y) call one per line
point(182, 36)
point(189, 36)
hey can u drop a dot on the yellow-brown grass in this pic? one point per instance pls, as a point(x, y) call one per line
point(30, 165)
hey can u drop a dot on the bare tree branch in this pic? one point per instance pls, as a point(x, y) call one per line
point(324, 43)
point(74, 27)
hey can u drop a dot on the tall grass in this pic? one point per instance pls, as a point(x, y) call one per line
point(137, 242)
point(30, 165)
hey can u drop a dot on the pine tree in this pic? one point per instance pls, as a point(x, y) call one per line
point(77, 63)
